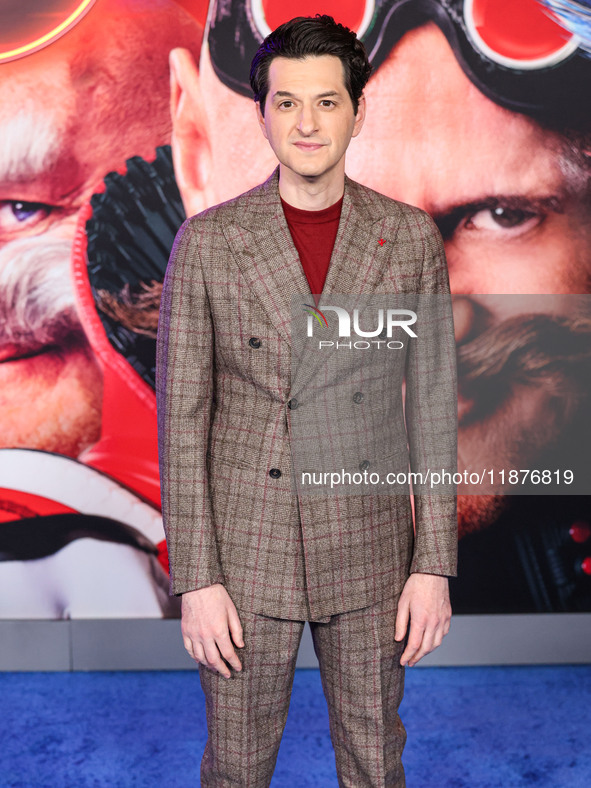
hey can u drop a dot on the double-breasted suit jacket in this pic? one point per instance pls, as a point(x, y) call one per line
point(224, 384)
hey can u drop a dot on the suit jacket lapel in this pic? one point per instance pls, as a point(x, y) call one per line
point(262, 245)
point(264, 250)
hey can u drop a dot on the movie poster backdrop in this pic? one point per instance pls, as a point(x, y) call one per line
point(120, 118)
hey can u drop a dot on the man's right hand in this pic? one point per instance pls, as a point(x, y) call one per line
point(209, 617)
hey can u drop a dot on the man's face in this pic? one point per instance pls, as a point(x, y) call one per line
point(309, 118)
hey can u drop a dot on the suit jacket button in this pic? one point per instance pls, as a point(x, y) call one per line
point(358, 397)
point(293, 403)
point(254, 342)
point(363, 466)
point(274, 473)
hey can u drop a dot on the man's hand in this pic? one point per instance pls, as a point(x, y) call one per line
point(208, 618)
point(426, 599)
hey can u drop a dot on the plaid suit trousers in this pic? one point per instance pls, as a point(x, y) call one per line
point(363, 683)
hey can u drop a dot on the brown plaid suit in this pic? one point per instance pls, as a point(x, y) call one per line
point(223, 387)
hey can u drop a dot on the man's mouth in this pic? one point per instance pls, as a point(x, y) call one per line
point(309, 146)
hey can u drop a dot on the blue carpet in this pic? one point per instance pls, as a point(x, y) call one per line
point(495, 727)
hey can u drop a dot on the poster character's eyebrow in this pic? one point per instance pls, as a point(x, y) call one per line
point(449, 217)
point(30, 147)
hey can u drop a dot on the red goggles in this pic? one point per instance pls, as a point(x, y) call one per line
point(522, 34)
point(28, 25)
point(527, 55)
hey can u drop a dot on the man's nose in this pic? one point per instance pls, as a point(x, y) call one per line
point(307, 123)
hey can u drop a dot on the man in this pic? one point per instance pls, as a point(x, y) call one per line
point(252, 560)
point(508, 189)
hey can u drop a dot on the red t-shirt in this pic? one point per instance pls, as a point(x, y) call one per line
point(314, 234)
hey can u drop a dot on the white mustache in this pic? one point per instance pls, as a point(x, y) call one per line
point(37, 305)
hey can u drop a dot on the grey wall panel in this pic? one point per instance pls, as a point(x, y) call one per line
point(35, 645)
point(134, 644)
point(544, 638)
point(148, 644)
point(306, 655)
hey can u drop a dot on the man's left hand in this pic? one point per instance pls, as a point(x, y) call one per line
point(425, 598)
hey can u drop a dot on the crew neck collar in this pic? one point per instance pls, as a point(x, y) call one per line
point(321, 215)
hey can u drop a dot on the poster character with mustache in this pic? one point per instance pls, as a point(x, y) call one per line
point(78, 538)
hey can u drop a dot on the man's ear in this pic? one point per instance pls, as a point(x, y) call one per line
point(360, 117)
point(191, 150)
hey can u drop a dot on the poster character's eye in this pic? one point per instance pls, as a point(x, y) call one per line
point(17, 214)
point(503, 219)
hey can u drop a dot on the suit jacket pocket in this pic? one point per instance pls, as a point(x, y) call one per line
point(226, 458)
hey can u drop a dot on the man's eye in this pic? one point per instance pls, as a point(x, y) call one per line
point(328, 101)
point(284, 103)
point(15, 214)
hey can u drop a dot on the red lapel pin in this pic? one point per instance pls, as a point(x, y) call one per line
point(381, 242)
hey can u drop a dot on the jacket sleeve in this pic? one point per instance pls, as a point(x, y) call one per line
point(184, 396)
point(431, 413)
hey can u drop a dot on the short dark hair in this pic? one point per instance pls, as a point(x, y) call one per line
point(306, 36)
